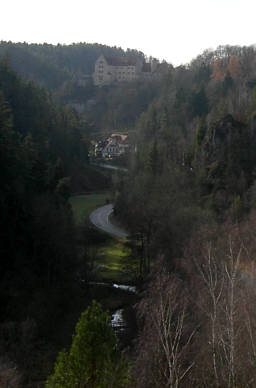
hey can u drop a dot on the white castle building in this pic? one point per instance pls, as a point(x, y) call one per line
point(110, 70)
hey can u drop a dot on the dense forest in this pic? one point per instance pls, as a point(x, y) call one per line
point(51, 65)
point(44, 158)
point(188, 201)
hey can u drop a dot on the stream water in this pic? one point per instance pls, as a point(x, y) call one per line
point(117, 320)
point(123, 319)
point(125, 288)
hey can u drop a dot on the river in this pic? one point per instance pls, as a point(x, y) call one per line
point(123, 320)
point(119, 299)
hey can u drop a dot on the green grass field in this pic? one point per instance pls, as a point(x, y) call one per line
point(115, 262)
point(83, 205)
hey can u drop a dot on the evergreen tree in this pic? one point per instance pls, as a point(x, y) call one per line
point(93, 359)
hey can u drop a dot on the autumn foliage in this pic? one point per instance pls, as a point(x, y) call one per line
point(221, 68)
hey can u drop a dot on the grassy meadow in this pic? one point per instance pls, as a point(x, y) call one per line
point(116, 263)
point(83, 205)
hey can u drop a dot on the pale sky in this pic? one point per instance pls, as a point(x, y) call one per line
point(174, 30)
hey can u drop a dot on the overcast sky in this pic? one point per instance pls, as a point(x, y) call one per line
point(174, 30)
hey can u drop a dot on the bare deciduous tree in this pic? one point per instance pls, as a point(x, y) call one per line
point(213, 280)
point(165, 312)
point(230, 329)
point(169, 321)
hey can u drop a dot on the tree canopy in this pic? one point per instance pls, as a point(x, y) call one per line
point(93, 359)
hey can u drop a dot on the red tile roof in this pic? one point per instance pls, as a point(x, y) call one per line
point(119, 137)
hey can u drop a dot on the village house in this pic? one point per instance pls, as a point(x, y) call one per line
point(109, 70)
point(115, 146)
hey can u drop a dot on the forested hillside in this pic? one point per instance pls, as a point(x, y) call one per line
point(51, 65)
point(190, 202)
point(66, 71)
point(201, 127)
point(44, 158)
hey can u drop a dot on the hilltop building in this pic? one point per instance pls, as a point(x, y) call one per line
point(109, 70)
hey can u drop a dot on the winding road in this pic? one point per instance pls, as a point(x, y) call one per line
point(100, 218)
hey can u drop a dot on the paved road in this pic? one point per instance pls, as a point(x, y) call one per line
point(100, 218)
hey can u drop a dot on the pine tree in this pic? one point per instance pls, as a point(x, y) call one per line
point(93, 360)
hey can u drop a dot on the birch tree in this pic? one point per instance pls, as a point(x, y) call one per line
point(166, 323)
point(213, 280)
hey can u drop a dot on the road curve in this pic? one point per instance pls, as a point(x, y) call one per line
point(100, 218)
